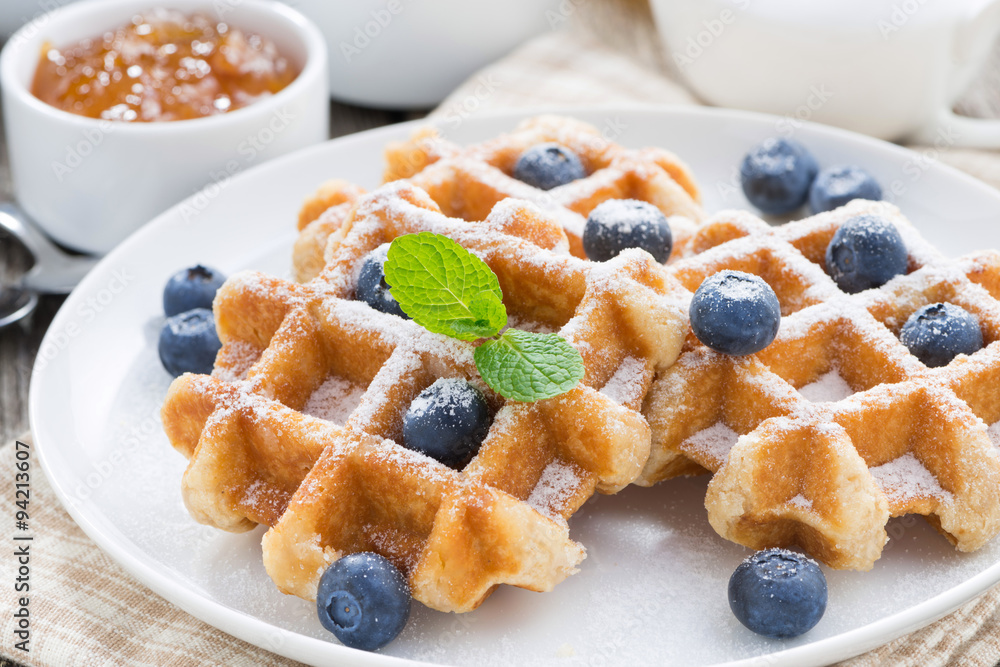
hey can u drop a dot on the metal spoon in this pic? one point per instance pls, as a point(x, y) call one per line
point(15, 304)
point(54, 271)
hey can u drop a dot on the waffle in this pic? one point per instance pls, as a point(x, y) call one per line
point(467, 182)
point(335, 481)
point(820, 438)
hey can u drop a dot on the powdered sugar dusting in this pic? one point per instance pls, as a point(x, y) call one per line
point(830, 387)
point(359, 316)
point(400, 364)
point(801, 502)
point(713, 442)
point(627, 384)
point(445, 394)
point(623, 215)
point(404, 463)
point(994, 433)
point(236, 359)
point(515, 322)
point(269, 289)
point(511, 188)
point(557, 485)
point(906, 477)
point(334, 400)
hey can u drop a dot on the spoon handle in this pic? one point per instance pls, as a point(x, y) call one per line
point(54, 271)
point(12, 220)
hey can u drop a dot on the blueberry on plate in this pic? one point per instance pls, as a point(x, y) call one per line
point(778, 593)
point(835, 186)
point(447, 422)
point(618, 224)
point(191, 288)
point(939, 332)
point(189, 343)
point(735, 313)
point(776, 175)
point(866, 251)
point(363, 600)
point(372, 288)
point(546, 166)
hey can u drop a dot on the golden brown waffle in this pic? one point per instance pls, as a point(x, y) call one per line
point(821, 437)
point(338, 485)
point(467, 182)
point(321, 215)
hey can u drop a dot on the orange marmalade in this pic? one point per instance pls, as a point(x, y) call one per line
point(163, 65)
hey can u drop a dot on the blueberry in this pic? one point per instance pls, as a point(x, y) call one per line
point(363, 600)
point(778, 593)
point(776, 175)
point(547, 166)
point(372, 288)
point(735, 313)
point(191, 288)
point(188, 342)
point(835, 186)
point(618, 224)
point(939, 332)
point(447, 422)
point(867, 251)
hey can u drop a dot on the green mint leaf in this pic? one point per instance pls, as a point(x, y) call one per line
point(490, 314)
point(526, 366)
point(443, 287)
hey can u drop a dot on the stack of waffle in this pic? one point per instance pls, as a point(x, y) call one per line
point(815, 441)
point(336, 481)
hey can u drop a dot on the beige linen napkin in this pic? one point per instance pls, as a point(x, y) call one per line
point(85, 610)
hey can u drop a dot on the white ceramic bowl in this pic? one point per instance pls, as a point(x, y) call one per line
point(15, 13)
point(89, 183)
point(406, 54)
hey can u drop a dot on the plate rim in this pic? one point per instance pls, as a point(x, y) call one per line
point(301, 647)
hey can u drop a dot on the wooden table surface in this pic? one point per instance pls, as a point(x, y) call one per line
point(19, 343)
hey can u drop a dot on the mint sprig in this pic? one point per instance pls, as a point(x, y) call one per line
point(448, 290)
point(527, 366)
point(443, 287)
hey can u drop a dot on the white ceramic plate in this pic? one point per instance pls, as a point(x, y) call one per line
point(653, 587)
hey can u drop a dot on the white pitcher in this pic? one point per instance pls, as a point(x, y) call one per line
point(888, 68)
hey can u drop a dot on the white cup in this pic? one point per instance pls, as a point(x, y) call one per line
point(403, 54)
point(15, 13)
point(89, 183)
point(888, 68)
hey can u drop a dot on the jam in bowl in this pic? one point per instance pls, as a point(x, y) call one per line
point(163, 65)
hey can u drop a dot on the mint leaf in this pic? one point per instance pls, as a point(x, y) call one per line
point(526, 366)
point(490, 314)
point(443, 287)
point(448, 290)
